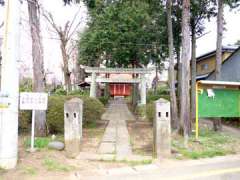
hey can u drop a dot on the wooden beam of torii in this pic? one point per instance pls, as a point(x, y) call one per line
point(119, 70)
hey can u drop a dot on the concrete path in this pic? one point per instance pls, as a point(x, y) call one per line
point(116, 139)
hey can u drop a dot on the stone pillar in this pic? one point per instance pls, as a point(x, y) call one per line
point(143, 90)
point(162, 129)
point(73, 112)
point(93, 85)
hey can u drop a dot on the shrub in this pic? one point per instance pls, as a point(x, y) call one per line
point(150, 111)
point(60, 91)
point(24, 120)
point(162, 92)
point(92, 111)
point(104, 100)
point(79, 93)
point(25, 85)
point(141, 111)
point(55, 114)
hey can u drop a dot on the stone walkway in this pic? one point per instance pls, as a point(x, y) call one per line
point(116, 139)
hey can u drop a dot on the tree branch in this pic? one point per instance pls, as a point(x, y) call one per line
point(74, 30)
point(73, 20)
point(48, 16)
point(1, 25)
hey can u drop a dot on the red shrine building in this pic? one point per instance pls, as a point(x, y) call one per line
point(120, 89)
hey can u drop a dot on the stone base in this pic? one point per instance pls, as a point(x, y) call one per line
point(72, 148)
point(8, 163)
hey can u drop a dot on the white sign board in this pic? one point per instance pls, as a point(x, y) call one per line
point(33, 101)
point(4, 100)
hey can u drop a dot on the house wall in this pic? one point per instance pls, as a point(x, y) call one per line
point(210, 62)
point(230, 69)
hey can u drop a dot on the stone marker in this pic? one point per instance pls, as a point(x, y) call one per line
point(162, 129)
point(57, 145)
point(73, 111)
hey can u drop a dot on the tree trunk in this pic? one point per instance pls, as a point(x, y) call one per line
point(179, 67)
point(66, 73)
point(217, 122)
point(193, 78)
point(219, 40)
point(38, 63)
point(174, 113)
point(185, 72)
point(77, 71)
point(156, 79)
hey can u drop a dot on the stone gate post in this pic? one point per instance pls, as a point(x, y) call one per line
point(73, 112)
point(143, 89)
point(162, 129)
point(93, 85)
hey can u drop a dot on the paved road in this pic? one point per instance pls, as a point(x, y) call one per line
point(221, 168)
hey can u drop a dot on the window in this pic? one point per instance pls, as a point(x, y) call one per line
point(204, 67)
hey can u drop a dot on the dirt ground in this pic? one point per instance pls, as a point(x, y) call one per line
point(51, 164)
point(141, 134)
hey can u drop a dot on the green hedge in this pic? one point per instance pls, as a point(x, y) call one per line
point(24, 120)
point(162, 92)
point(92, 111)
point(141, 111)
point(150, 111)
point(104, 99)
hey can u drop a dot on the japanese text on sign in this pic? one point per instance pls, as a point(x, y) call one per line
point(33, 101)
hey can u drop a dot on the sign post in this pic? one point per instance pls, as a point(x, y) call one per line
point(33, 129)
point(33, 101)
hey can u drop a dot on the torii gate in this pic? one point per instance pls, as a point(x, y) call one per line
point(138, 77)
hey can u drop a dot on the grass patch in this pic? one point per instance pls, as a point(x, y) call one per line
point(95, 134)
point(53, 165)
point(210, 144)
point(136, 163)
point(2, 171)
point(40, 142)
point(90, 125)
point(30, 171)
point(129, 162)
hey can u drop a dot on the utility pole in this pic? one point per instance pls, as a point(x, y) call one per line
point(10, 85)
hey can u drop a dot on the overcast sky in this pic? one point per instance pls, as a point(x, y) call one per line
point(62, 14)
point(230, 35)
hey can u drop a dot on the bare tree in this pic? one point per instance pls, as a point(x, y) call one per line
point(219, 40)
point(217, 122)
point(193, 76)
point(65, 36)
point(185, 72)
point(1, 25)
point(171, 73)
point(38, 62)
point(77, 72)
